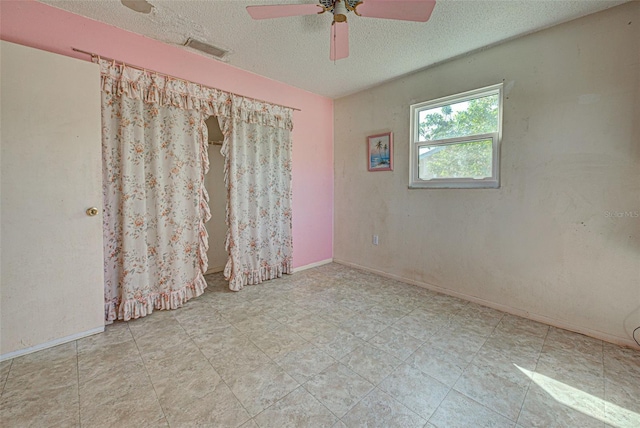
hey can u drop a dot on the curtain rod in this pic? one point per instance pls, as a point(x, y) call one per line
point(95, 55)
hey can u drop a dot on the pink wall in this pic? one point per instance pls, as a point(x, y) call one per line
point(41, 26)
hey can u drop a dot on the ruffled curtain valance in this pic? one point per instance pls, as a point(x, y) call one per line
point(121, 80)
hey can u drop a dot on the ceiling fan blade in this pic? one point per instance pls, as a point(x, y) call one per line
point(339, 41)
point(405, 10)
point(283, 10)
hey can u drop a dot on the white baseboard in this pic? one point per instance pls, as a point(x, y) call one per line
point(622, 341)
point(214, 269)
point(312, 265)
point(51, 344)
point(298, 269)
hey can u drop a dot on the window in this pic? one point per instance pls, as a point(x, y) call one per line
point(455, 141)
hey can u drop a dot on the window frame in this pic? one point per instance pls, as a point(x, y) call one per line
point(492, 182)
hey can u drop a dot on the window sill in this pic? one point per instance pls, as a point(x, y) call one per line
point(461, 184)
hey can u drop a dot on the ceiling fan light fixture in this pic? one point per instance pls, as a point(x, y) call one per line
point(214, 51)
point(339, 11)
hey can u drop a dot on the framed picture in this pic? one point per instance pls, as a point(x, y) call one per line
point(380, 152)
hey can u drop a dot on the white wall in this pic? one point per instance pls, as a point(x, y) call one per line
point(214, 183)
point(542, 245)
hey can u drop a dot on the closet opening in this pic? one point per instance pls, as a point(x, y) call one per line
point(214, 183)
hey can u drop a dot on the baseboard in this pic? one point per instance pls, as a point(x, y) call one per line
point(297, 269)
point(312, 265)
point(51, 344)
point(622, 341)
point(214, 269)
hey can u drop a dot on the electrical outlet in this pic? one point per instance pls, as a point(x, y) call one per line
point(375, 239)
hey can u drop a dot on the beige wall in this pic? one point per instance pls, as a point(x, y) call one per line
point(542, 245)
point(214, 183)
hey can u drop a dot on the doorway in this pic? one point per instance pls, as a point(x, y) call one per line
point(214, 183)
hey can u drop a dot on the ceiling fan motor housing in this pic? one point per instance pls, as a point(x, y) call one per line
point(339, 8)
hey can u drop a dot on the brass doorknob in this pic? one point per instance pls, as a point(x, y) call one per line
point(92, 211)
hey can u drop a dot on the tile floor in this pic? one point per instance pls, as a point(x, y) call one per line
point(326, 347)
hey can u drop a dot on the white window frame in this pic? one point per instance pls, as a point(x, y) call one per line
point(455, 183)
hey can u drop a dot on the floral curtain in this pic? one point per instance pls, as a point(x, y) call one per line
point(154, 161)
point(154, 146)
point(258, 177)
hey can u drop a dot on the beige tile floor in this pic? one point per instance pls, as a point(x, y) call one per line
point(326, 347)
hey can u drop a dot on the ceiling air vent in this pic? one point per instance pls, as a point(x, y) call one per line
point(208, 49)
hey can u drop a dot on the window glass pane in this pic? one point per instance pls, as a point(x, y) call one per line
point(464, 160)
point(473, 117)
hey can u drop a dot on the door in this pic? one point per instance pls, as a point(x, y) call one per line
point(51, 278)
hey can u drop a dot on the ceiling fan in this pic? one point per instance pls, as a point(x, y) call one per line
point(405, 10)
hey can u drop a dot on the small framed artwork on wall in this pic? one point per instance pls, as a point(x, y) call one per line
point(380, 152)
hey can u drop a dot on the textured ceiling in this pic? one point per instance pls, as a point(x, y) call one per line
point(295, 50)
